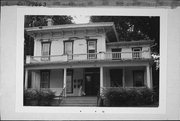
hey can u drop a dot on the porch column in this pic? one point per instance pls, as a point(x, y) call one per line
point(26, 79)
point(101, 79)
point(64, 84)
point(151, 77)
point(148, 76)
point(123, 78)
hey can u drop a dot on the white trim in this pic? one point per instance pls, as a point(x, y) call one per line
point(101, 79)
point(64, 81)
point(26, 79)
point(148, 76)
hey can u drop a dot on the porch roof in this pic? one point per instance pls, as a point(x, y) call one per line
point(90, 63)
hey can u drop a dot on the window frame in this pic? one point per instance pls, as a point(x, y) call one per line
point(45, 56)
point(41, 73)
point(66, 41)
point(88, 54)
point(137, 52)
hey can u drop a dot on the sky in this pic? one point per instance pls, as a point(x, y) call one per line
point(80, 19)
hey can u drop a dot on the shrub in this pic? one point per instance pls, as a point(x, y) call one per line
point(125, 97)
point(42, 97)
point(30, 97)
point(46, 96)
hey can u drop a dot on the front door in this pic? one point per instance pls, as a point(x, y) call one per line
point(116, 77)
point(92, 83)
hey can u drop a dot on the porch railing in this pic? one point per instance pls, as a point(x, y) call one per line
point(89, 56)
point(62, 95)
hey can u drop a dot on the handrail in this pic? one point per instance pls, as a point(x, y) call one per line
point(62, 94)
point(90, 56)
point(46, 56)
point(99, 98)
point(86, 54)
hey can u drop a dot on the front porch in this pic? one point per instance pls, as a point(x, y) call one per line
point(88, 81)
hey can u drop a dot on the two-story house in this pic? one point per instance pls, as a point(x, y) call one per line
point(81, 59)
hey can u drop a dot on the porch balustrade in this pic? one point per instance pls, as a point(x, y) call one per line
point(89, 56)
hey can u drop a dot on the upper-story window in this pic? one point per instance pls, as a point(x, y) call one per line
point(68, 49)
point(92, 48)
point(137, 52)
point(116, 53)
point(46, 48)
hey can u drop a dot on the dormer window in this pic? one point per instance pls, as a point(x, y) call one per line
point(137, 52)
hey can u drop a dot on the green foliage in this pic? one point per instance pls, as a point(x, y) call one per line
point(126, 97)
point(134, 27)
point(41, 20)
point(43, 97)
point(30, 94)
point(46, 95)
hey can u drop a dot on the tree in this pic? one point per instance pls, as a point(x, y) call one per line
point(34, 20)
point(134, 27)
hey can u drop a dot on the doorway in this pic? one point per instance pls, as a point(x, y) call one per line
point(138, 78)
point(92, 81)
point(116, 77)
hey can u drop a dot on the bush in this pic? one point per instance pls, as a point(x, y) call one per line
point(126, 97)
point(42, 97)
point(30, 97)
point(46, 96)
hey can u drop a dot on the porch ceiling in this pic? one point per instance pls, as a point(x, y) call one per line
point(89, 63)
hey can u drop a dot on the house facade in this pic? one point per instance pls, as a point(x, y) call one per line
point(82, 59)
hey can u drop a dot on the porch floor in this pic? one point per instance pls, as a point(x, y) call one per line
point(84, 101)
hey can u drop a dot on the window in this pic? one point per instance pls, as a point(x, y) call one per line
point(137, 53)
point(68, 49)
point(92, 49)
point(45, 79)
point(116, 53)
point(46, 51)
point(138, 78)
point(69, 81)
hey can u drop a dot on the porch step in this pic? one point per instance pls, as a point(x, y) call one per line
point(79, 101)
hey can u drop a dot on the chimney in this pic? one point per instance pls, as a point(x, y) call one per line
point(49, 22)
